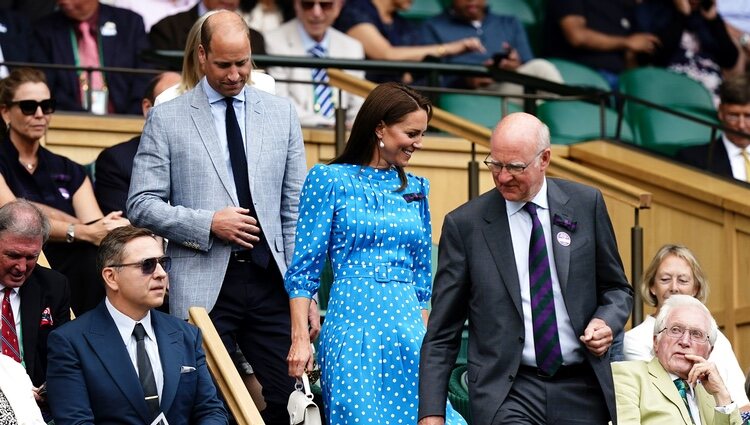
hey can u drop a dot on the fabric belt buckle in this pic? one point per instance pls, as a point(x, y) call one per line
point(381, 274)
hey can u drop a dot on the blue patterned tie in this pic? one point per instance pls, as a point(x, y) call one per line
point(322, 92)
point(546, 338)
point(682, 389)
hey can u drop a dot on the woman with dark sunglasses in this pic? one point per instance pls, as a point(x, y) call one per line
point(54, 183)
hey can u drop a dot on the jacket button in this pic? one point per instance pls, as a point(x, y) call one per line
point(510, 378)
point(520, 339)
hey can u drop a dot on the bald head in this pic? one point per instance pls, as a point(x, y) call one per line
point(224, 55)
point(231, 24)
point(522, 141)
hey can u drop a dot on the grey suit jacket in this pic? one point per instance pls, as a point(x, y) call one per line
point(180, 179)
point(286, 41)
point(477, 278)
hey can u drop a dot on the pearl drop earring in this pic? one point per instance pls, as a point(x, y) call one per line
point(381, 144)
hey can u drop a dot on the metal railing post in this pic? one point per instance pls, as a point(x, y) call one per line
point(636, 268)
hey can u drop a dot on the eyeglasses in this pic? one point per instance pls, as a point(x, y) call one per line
point(28, 107)
point(324, 5)
point(734, 118)
point(149, 264)
point(677, 332)
point(513, 169)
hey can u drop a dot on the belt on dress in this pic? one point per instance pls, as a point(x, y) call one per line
point(381, 273)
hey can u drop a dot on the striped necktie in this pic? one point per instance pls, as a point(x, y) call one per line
point(682, 389)
point(546, 337)
point(323, 96)
point(9, 337)
point(746, 157)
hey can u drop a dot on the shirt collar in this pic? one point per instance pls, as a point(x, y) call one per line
point(732, 149)
point(125, 324)
point(540, 199)
point(15, 290)
point(214, 96)
point(690, 389)
point(307, 41)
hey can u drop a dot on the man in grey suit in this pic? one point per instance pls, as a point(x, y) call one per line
point(222, 184)
point(534, 266)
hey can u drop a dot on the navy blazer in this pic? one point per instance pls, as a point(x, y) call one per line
point(15, 36)
point(91, 379)
point(120, 48)
point(113, 169)
point(45, 306)
point(711, 157)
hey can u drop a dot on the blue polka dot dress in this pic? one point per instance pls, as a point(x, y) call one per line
point(379, 243)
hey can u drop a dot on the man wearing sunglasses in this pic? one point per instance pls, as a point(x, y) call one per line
point(678, 386)
point(729, 154)
point(125, 362)
point(310, 34)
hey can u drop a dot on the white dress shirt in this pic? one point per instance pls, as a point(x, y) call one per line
point(736, 159)
point(125, 326)
point(520, 232)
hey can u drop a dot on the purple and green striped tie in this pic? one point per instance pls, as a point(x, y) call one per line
point(546, 338)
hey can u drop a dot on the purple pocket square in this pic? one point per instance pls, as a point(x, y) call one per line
point(564, 222)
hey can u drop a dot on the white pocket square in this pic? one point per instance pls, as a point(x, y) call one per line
point(186, 369)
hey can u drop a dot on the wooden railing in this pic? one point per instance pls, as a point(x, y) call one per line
point(224, 371)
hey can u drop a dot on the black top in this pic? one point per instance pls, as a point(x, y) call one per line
point(54, 182)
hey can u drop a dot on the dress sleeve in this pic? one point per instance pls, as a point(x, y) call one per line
point(423, 254)
point(317, 206)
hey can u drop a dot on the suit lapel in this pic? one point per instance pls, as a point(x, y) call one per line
point(558, 201)
point(204, 123)
point(31, 305)
point(664, 384)
point(105, 341)
point(254, 131)
point(109, 45)
point(706, 404)
point(497, 236)
point(170, 353)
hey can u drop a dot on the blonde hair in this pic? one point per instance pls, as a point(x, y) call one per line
point(679, 251)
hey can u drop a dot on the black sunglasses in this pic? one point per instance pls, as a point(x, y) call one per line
point(28, 107)
point(324, 5)
point(149, 264)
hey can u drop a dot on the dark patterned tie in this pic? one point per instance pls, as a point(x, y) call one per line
point(260, 254)
point(145, 372)
point(9, 336)
point(682, 389)
point(546, 338)
point(323, 94)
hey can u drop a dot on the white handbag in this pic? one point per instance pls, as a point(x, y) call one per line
point(301, 408)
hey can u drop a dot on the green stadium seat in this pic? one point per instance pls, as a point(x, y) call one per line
point(458, 393)
point(421, 10)
point(666, 133)
point(575, 74)
point(483, 110)
point(576, 121)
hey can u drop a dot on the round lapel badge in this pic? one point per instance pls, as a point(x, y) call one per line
point(563, 239)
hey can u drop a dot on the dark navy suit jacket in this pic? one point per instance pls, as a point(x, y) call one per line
point(91, 379)
point(114, 166)
point(121, 44)
point(710, 157)
point(45, 306)
point(15, 36)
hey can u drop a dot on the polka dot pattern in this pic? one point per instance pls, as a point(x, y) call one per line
point(379, 245)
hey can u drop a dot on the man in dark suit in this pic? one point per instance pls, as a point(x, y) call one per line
point(534, 266)
point(39, 297)
point(123, 362)
point(171, 32)
point(120, 38)
point(727, 155)
point(114, 165)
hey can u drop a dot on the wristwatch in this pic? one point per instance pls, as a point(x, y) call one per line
point(744, 39)
point(70, 235)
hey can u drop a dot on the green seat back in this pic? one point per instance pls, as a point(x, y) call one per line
point(577, 121)
point(575, 74)
point(483, 110)
point(667, 133)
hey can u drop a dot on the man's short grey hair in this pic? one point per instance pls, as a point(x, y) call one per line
point(543, 137)
point(677, 301)
point(22, 218)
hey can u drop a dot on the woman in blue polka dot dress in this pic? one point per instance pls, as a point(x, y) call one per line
point(373, 221)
